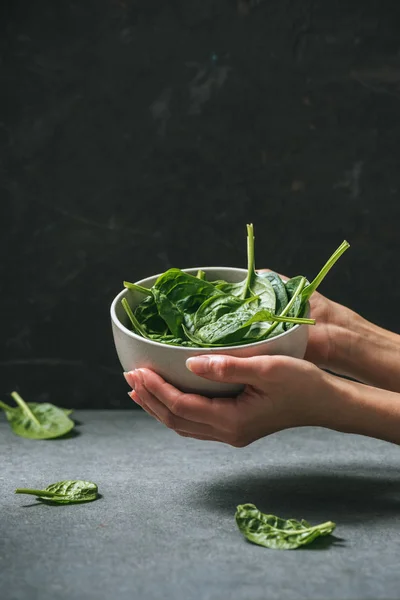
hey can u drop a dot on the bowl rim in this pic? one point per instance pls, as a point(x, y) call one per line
point(186, 349)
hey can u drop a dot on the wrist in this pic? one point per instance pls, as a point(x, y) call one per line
point(361, 409)
point(314, 404)
point(367, 353)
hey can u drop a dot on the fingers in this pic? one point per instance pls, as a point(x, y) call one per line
point(140, 402)
point(230, 369)
point(145, 397)
point(133, 395)
point(197, 437)
point(190, 407)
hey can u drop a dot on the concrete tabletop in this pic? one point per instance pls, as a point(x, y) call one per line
point(164, 527)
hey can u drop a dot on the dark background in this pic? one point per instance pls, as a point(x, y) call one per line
point(140, 135)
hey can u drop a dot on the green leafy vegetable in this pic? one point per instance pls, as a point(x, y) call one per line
point(186, 310)
point(276, 533)
point(37, 421)
point(65, 492)
point(279, 289)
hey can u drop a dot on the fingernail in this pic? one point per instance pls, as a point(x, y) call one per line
point(133, 396)
point(140, 376)
point(130, 378)
point(198, 364)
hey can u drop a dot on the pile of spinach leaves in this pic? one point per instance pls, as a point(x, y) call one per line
point(186, 310)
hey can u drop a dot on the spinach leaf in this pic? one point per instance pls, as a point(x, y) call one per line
point(169, 312)
point(279, 289)
point(147, 314)
point(65, 492)
point(228, 329)
point(277, 327)
point(215, 307)
point(37, 421)
point(291, 286)
point(178, 295)
point(276, 533)
point(137, 327)
point(184, 290)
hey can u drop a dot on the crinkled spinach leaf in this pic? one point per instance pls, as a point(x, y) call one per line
point(65, 492)
point(276, 533)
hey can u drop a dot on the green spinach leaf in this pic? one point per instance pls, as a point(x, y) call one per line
point(291, 288)
point(215, 307)
point(147, 315)
point(37, 421)
point(276, 533)
point(65, 492)
point(279, 289)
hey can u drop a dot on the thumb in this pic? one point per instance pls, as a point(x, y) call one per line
point(229, 368)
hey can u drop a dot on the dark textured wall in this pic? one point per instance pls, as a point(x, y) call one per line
point(140, 135)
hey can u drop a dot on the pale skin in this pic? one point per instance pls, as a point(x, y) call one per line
point(283, 392)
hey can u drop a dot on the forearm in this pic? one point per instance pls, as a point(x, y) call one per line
point(353, 407)
point(367, 353)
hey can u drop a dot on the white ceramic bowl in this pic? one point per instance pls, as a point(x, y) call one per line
point(135, 351)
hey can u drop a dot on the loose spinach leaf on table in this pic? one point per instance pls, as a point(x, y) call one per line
point(276, 533)
point(37, 421)
point(65, 492)
point(186, 310)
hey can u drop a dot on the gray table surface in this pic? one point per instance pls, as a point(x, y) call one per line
point(164, 528)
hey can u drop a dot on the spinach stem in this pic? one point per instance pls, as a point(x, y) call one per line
point(22, 404)
point(250, 259)
point(135, 323)
point(310, 289)
point(38, 493)
point(327, 524)
point(296, 320)
point(5, 406)
point(137, 288)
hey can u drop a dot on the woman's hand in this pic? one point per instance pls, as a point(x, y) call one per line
point(280, 392)
point(345, 343)
point(326, 336)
